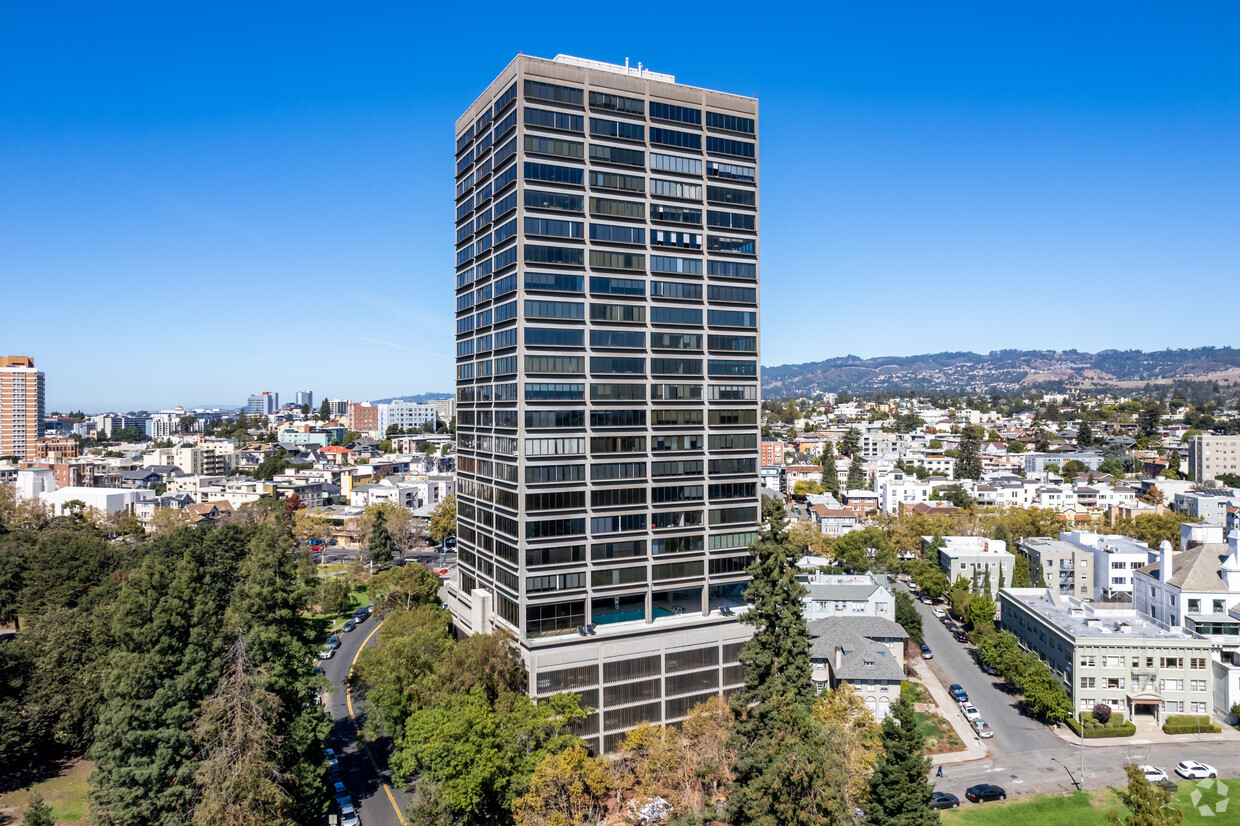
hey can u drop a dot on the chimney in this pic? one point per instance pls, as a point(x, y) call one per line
point(1230, 569)
point(839, 658)
point(1165, 555)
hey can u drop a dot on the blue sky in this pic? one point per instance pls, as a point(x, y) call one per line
point(200, 201)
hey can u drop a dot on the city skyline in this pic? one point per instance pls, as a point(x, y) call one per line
point(977, 166)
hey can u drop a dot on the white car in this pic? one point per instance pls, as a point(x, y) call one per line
point(938, 613)
point(1193, 770)
point(970, 711)
point(348, 815)
point(983, 730)
point(327, 653)
point(1153, 773)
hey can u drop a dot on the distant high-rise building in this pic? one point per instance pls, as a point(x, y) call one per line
point(262, 404)
point(338, 407)
point(1210, 455)
point(607, 382)
point(305, 398)
point(21, 407)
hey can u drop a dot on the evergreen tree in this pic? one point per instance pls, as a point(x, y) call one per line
point(381, 545)
point(1084, 434)
point(267, 603)
point(784, 773)
point(900, 786)
point(850, 445)
point(1002, 582)
point(325, 410)
point(1150, 805)
point(1002, 534)
point(144, 746)
point(237, 780)
point(856, 474)
point(830, 476)
point(1020, 571)
point(38, 813)
point(968, 462)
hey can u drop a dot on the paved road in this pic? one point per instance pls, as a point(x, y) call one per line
point(365, 770)
point(1026, 757)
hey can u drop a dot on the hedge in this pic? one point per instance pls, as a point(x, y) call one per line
point(1093, 730)
point(1190, 724)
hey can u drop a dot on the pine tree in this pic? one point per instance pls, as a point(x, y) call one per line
point(237, 780)
point(856, 474)
point(38, 813)
point(830, 475)
point(1150, 804)
point(381, 545)
point(900, 786)
point(1020, 571)
point(267, 603)
point(850, 445)
point(968, 462)
point(1084, 434)
point(784, 772)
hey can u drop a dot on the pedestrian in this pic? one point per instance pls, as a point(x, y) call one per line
point(939, 773)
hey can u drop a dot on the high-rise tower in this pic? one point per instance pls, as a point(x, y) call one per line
point(21, 407)
point(607, 382)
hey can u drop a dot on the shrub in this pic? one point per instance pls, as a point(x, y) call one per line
point(1116, 726)
point(1190, 724)
point(1102, 713)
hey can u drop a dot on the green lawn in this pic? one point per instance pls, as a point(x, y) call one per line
point(1087, 809)
point(65, 793)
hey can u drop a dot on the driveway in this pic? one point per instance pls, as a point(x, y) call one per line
point(366, 775)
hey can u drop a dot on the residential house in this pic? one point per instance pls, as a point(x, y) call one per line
point(865, 652)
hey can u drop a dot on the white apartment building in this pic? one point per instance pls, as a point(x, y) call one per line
point(405, 415)
point(898, 488)
point(1210, 455)
point(846, 595)
point(1116, 559)
point(1197, 588)
point(975, 557)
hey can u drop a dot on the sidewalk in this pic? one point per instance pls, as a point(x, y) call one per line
point(1149, 735)
point(950, 711)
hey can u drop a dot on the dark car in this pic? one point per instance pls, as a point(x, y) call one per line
point(958, 693)
point(349, 625)
point(943, 800)
point(362, 613)
point(926, 653)
point(985, 791)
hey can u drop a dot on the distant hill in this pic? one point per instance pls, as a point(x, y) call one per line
point(421, 397)
point(1003, 370)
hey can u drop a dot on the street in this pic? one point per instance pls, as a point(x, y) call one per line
point(1026, 757)
point(364, 769)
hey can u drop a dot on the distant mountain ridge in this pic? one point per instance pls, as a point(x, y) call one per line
point(421, 398)
point(1002, 370)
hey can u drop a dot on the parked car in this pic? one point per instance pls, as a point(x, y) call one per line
point(362, 613)
point(938, 613)
point(327, 653)
point(926, 653)
point(958, 693)
point(944, 800)
point(960, 636)
point(927, 601)
point(348, 815)
point(970, 711)
point(1193, 770)
point(331, 753)
point(1153, 773)
point(983, 730)
point(340, 792)
point(333, 641)
point(349, 625)
point(988, 670)
point(985, 791)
